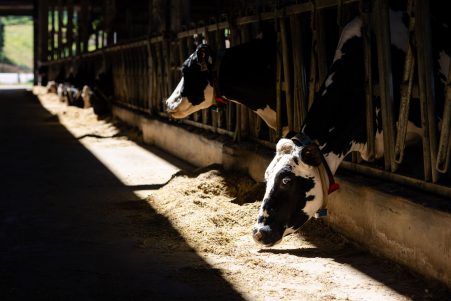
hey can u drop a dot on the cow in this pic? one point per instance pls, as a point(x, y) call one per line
point(100, 92)
point(84, 88)
point(243, 74)
point(97, 101)
point(51, 87)
point(300, 176)
point(70, 95)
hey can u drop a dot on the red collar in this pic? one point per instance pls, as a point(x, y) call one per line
point(221, 100)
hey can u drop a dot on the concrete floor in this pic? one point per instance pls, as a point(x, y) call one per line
point(72, 221)
point(68, 225)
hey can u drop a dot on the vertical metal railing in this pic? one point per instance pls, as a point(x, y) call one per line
point(146, 71)
point(382, 30)
point(426, 89)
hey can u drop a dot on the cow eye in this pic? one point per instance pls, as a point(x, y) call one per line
point(285, 182)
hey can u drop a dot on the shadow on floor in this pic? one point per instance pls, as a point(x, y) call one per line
point(70, 230)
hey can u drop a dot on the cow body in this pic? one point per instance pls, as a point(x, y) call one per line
point(244, 74)
point(334, 127)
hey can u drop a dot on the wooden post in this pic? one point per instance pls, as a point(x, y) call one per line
point(78, 46)
point(60, 50)
point(52, 33)
point(70, 27)
point(42, 35)
point(83, 26)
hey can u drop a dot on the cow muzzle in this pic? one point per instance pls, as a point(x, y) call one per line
point(266, 236)
point(179, 107)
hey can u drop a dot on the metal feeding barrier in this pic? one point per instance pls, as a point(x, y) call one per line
point(146, 70)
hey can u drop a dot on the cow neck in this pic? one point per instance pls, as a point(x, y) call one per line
point(217, 96)
point(328, 183)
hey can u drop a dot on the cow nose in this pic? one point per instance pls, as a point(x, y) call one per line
point(257, 235)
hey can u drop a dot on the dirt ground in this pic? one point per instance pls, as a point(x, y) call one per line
point(205, 206)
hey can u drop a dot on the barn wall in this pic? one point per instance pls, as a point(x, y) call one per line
point(393, 225)
point(386, 220)
point(180, 142)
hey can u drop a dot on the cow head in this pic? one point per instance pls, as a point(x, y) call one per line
point(293, 190)
point(194, 91)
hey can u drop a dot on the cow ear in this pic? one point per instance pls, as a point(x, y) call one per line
point(203, 57)
point(311, 155)
point(201, 54)
point(284, 146)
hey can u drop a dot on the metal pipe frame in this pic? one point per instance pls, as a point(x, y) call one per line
point(426, 87)
point(152, 62)
point(382, 29)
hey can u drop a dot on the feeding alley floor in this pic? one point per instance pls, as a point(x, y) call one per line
point(87, 212)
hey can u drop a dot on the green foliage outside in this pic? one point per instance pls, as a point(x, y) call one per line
point(16, 43)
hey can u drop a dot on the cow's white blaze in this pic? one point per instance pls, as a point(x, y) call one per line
point(179, 106)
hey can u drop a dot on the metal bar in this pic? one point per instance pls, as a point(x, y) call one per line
point(153, 80)
point(397, 178)
point(160, 85)
point(313, 61)
point(426, 87)
point(406, 92)
point(444, 146)
point(149, 78)
point(370, 130)
point(141, 77)
point(321, 57)
point(279, 81)
point(403, 118)
point(299, 73)
point(286, 72)
point(382, 29)
point(208, 127)
point(245, 111)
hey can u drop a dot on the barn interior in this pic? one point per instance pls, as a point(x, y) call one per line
point(129, 54)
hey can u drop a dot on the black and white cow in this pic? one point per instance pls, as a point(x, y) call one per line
point(297, 179)
point(244, 74)
point(70, 95)
point(99, 92)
